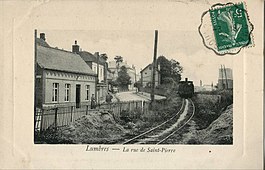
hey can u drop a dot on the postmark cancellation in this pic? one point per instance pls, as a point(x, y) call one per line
point(226, 28)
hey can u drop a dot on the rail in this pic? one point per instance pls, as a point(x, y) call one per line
point(167, 137)
point(151, 130)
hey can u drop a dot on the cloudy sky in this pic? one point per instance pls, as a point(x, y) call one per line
point(136, 47)
point(178, 37)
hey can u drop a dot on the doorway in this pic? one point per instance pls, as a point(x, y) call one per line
point(77, 97)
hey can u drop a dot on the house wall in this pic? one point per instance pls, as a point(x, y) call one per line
point(101, 71)
point(67, 78)
point(146, 76)
point(39, 87)
point(131, 73)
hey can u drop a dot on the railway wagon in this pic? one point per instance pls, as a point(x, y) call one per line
point(186, 89)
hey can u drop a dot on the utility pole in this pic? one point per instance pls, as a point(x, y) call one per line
point(226, 78)
point(134, 76)
point(154, 69)
point(222, 77)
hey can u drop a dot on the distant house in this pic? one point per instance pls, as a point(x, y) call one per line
point(146, 76)
point(99, 66)
point(63, 78)
point(130, 70)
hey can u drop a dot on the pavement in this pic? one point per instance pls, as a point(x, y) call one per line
point(133, 96)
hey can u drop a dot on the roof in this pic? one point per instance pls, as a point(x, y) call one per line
point(88, 57)
point(56, 59)
point(146, 67)
point(42, 42)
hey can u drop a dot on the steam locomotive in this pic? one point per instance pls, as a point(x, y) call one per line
point(186, 89)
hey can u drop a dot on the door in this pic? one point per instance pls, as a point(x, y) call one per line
point(77, 97)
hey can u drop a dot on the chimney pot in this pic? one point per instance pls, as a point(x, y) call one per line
point(186, 79)
point(42, 36)
point(75, 48)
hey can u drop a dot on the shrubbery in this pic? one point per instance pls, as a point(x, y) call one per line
point(210, 106)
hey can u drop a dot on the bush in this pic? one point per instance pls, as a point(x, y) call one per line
point(210, 106)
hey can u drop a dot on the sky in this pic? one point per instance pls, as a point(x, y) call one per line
point(137, 47)
point(133, 39)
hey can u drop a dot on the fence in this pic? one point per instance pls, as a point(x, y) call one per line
point(61, 116)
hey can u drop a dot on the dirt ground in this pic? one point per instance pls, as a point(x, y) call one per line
point(220, 131)
point(95, 128)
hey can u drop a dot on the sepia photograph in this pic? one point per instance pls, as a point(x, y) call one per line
point(120, 84)
point(88, 90)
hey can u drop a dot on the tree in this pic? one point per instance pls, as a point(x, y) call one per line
point(119, 59)
point(169, 69)
point(176, 70)
point(123, 79)
point(104, 56)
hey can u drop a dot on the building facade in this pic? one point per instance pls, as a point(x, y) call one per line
point(63, 78)
point(98, 65)
point(131, 70)
point(147, 74)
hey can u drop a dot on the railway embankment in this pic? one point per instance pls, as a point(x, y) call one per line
point(212, 122)
point(219, 131)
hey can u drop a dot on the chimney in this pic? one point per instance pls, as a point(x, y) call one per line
point(186, 79)
point(75, 47)
point(42, 36)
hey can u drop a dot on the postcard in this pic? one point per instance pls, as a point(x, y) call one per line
point(132, 84)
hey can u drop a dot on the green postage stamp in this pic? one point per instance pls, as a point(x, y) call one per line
point(226, 28)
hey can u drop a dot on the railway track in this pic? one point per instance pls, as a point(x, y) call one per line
point(165, 130)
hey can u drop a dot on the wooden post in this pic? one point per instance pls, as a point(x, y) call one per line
point(120, 104)
point(41, 120)
point(154, 69)
point(225, 78)
point(72, 113)
point(55, 118)
point(86, 109)
point(144, 107)
point(222, 77)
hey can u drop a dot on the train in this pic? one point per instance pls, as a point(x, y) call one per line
point(186, 89)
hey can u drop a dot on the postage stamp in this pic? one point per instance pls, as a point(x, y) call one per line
point(226, 28)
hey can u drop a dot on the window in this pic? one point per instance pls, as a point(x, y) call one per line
point(95, 69)
point(67, 92)
point(55, 91)
point(102, 72)
point(87, 92)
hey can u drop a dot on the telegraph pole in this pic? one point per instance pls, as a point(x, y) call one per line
point(222, 77)
point(154, 69)
point(226, 78)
